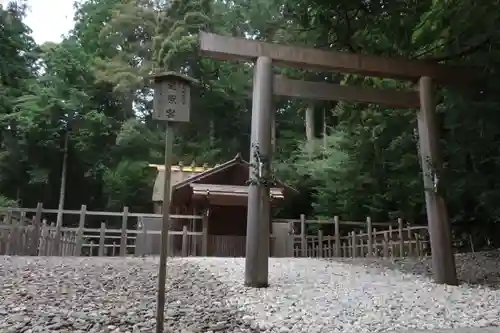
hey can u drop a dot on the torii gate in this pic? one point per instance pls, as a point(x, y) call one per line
point(265, 85)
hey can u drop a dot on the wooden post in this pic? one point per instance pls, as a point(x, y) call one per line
point(345, 252)
point(23, 246)
point(258, 212)
point(391, 242)
point(360, 245)
point(290, 242)
point(10, 234)
point(410, 245)
point(102, 236)
point(386, 244)
point(57, 237)
point(401, 239)
point(14, 241)
point(320, 243)
point(417, 245)
point(145, 243)
point(303, 235)
point(37, 223)
point(10, 237)
point(354, 244)
point(91, 252)
point(165, 226)
point(443, 260)
point(79, 233)
point(52, 233)
point(43, 239)
point(114, 249)
point(184, 241)
point(123, 238)
point(193, 240)
point(370, 237)
point(337, 237)
point(67, 243)
point(204, 241)
point(62, 244)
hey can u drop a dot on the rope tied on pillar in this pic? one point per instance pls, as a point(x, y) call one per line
point(263, 163)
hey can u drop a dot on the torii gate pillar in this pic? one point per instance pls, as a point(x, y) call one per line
point(443, 261)
point(259, 212)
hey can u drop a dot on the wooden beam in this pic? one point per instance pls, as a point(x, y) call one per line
point(231, 48)
point(336, 92)
point(443, 260)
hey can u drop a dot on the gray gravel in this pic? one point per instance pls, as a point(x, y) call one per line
point(481, 268)
point(308, 295)
point(40, 294)
point(50, 294)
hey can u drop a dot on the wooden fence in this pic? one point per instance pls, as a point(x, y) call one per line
point(41, 238)
point(395, 240)
point(17, 237)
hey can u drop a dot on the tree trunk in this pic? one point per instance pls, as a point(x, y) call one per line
point(325, 128)
point(211, 133)
point(62, 191)
point(309, 124)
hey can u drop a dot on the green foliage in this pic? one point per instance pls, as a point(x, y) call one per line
point(6, 202)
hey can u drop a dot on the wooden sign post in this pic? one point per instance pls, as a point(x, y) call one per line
point(172, 102)
point(231, 48)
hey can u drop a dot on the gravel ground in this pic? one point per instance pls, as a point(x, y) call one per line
point(51, 294)
point(482, 268)
point(309, 295)
point(40, 294)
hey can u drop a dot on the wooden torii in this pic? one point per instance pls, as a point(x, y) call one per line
point(265, 85)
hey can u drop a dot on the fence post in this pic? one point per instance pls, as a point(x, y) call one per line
point(417, 245)
point(320, 243)
point(184, 241)
point(43, 239)
point(353, 243)
point(35, 238)
point(72, 243)
point(65, 244)
point(360, 244)
point(410, 247)
point(91, 252)
point(79, 233)
point(370, 237)
point(303, 242)
point(401, 239)
point(386, 244)
point(51, 238)
point(204, 240)
point(123, 238)
point(337, 237)
point(391, 241)
point(14, 239)
point(290, 242)
point(102, 236)
point(57, 238)
point(10, 231)
point(145, 243)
